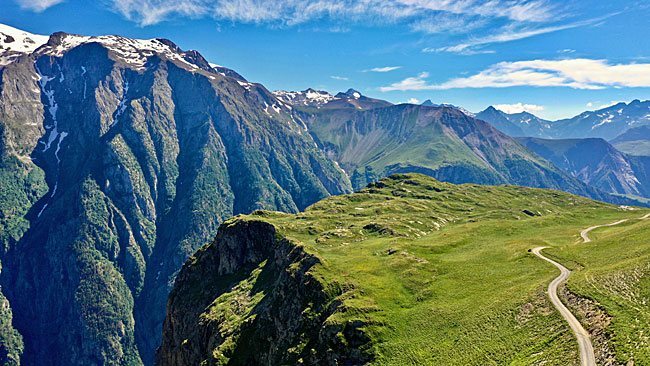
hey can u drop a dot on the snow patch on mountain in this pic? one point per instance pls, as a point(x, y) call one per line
point(308, 98)
point(15, 43)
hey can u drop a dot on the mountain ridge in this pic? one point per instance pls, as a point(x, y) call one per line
point(606, 123)
point(142, 152)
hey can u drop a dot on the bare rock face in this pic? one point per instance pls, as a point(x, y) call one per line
point(120, 158)
point(249, 298)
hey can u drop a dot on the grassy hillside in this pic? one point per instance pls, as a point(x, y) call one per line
point(442, 143)
point(614, 274)
point(639, 147)
point(414, 271)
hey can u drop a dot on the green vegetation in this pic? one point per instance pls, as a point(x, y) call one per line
point(639, 147)
point(21, 185)
point(433, 273)
point(614, 273)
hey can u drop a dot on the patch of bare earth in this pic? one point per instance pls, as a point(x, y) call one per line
point(595, 321)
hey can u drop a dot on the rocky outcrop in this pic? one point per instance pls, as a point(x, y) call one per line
point(249, 298)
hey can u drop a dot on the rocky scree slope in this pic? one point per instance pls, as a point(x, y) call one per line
point(120, 158)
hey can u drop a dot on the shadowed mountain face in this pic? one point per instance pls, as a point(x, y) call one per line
point(119, 159)
point(635, 141)
point(597, 163)
point(516, 124)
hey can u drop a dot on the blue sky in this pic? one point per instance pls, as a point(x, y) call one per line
point(552, 58)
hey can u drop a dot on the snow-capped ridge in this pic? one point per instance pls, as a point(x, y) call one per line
point(307, 98)
point(15, 42)
point(133, 52)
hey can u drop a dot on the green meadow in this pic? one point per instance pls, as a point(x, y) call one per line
point(441, 274)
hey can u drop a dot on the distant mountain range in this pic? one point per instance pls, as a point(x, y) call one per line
point(635, 141)
point(606, 123)
point(516, 124)
point(429, 103)
point(597, 163)
point(319, 99)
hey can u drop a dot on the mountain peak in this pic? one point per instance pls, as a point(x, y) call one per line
point(353, 93)
point(15, 42)
point(133, 52)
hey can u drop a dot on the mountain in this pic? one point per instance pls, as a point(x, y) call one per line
point(429, 103)
point(516, 124)
point(406, 271)
point(635, 141)
point(606, 123)
point(119, 158)
point(311, 98)
point(442, 142)
point(307, 98)
point(597, 163)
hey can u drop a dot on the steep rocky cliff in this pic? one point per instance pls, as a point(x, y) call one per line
point(120, 158)
point(250, 298)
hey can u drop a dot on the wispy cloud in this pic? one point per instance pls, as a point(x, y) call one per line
point(443, 22)
point(412, 83)
point(519, 10)
point(37, 5)
point(413, 101)
point(572, 73)
point(519, 107)
point(512, 32)
point(383, 69)
point(422, 14)
point(338, 77)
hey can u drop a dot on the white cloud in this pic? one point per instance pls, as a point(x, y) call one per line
point(448, 23)
point(37, 5)
point(573, 73)
point(497, 38)
point(519, 107)
point(512, 32)
point(338, 77)
point(413, 101)
point(421, 14)
point(412, 83)
point(384, 69)
point(566, 50)
point(611, 103)
point(590, 104)
point(519, 10)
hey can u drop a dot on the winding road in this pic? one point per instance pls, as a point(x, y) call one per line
point(587, 357)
